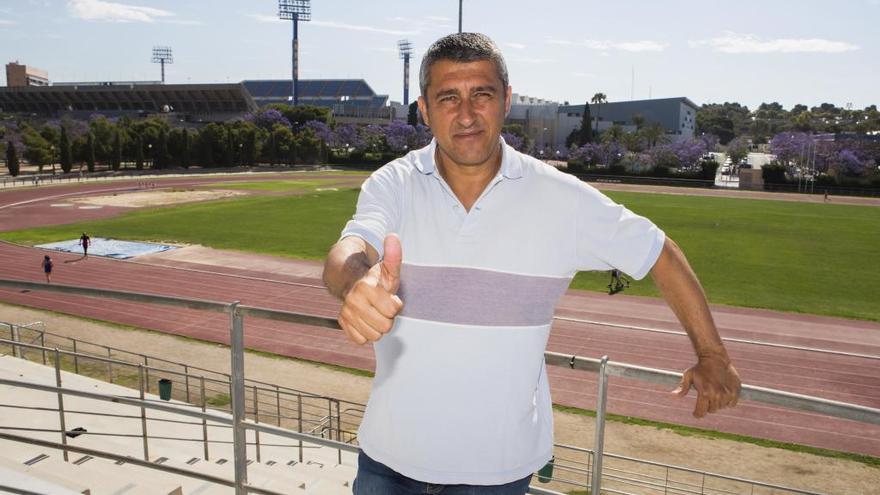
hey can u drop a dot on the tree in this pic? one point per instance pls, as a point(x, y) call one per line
point(639, 121)
point(37, 149)
point(300, 114)
point(654, 134)
point(229, 149)
point(162, 155)
point(139, 153)
point(737, 150)
point(412, 117)
point(585, 134)
point(12, 159)
point(272, 149)
point(250, 148)
point(116, 153)
point(66, 157)
point(90, 152)
point(597, 100)
point(185, 146)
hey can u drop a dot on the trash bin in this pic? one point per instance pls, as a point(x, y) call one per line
point(165, 389)
point(546, 472)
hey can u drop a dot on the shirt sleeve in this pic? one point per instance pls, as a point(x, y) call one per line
point(611, 236)
point(378, 209)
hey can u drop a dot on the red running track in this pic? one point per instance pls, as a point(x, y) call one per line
point(843, 378)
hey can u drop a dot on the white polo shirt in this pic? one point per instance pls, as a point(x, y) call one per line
point(460, 394)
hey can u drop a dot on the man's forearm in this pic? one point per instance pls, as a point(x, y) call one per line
point(347, 261)
point(682, 291)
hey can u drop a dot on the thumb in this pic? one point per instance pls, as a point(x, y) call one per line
point(391, 263)
point(685, 385)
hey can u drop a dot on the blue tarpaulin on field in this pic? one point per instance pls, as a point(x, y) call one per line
point(110, 248)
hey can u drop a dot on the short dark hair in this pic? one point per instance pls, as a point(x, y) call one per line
point(462, 47)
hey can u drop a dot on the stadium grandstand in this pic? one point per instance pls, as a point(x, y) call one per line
point(349, 99)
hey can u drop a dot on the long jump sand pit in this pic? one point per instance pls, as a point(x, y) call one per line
point(157, 197)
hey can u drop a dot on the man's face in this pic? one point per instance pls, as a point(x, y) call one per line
point(465, 106)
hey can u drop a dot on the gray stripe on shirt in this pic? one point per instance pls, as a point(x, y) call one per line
point(469, 296)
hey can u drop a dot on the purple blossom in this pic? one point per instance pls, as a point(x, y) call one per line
point(787, 146)
point(346, 136)
point(513, 140)
point(849, 164)
point(322, 131)
point(423, 136)
point(605, 154)
point(372, 138)
point(267, 119)
point(399, 135)
point(688, 151)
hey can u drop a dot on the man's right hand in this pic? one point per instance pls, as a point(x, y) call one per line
point(370, 306)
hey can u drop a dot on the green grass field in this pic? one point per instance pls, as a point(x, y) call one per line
point(802, 257)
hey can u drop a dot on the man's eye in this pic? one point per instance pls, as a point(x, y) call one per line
point(448, 99)
point(483, 96)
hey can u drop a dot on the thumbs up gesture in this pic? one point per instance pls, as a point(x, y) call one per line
point(369, 308)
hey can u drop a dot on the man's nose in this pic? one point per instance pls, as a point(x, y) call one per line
point(466, 114)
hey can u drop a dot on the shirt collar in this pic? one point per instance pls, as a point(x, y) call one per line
point(511, 162)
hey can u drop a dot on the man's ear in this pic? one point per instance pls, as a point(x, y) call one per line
point(508, 98)
point(423, 109)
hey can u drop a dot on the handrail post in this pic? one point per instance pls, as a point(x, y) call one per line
point(599, 447)
point(143, 413)
point(299, 417)
point(60, 402)
point(257, 420)
point(109, 366)
point(338, 431)
point(75, 358)
point(186, 381)
point(239, 437)
point(16, 350)
point(204, 420)
point(43, 344)
point(146, 372)
point(278, 405)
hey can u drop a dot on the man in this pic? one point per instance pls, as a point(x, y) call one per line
point(491, 238)
point(84, 241)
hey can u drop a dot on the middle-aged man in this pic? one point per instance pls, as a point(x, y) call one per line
point(491, 239)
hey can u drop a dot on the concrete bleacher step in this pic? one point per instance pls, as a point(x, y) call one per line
point(16, 481)
point(102, 477)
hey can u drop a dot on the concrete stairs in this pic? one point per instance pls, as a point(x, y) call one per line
point(174, 440)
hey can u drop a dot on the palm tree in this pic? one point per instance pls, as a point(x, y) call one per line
point(598, 99)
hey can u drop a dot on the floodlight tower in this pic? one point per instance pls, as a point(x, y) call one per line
point(405, 48)
point(295, 10)
point(162, 55)
point(459, 15)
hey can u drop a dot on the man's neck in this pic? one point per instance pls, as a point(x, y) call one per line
point(468, 181)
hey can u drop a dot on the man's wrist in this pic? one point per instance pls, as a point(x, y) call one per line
point(719, 354)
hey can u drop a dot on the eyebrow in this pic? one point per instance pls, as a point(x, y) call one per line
point(455, 92)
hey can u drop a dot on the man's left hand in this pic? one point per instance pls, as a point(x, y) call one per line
point(716, 381)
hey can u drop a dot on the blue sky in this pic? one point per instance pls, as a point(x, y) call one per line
point(710, 51)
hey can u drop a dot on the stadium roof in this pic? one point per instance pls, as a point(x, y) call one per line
point(323, 92)
point(311, 88)
point(342, 95)
point(122, 97)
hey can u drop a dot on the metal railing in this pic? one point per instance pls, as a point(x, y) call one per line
point(240, 425)
point(265, 402)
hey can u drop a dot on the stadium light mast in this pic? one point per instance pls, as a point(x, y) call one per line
point(295, 10)
point(459, 15)
point(162, 55)
point(405, 48)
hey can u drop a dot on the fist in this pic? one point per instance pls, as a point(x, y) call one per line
point(717, 383)
point(370, 306)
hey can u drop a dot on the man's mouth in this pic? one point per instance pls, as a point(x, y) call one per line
point(468, 134)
